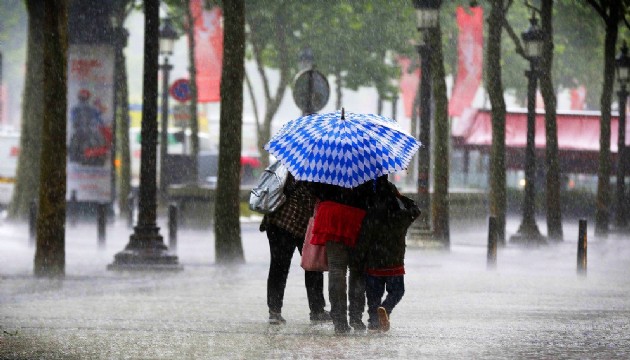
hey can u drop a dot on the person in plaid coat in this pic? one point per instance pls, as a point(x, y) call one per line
point(286, 229)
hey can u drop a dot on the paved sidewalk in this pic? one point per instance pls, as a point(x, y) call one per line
point(533, 305)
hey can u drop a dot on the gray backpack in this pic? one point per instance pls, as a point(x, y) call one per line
point(268, 194)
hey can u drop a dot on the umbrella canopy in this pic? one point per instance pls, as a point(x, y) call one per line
point(343, 149)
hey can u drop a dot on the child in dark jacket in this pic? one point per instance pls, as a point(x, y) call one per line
point(380, 250)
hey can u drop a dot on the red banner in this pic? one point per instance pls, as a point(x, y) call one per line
point(470, 59)
point(408, 84)
point(208, 51)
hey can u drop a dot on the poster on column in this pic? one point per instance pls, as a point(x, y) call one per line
point(90, 122)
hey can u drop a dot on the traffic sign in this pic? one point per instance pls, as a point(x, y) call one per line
point(310, 91)
point(180, 90)
point(181, 115)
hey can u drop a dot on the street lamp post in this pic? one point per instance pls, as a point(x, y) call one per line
point(146, 249)
point(528, 232)
point(623, 74)
point(427, 13)
point(168, 35)
point(306, 61)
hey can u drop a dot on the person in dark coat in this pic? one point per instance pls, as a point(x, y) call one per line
point(380, 250)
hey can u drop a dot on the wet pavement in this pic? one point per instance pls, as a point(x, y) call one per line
point(533, 305)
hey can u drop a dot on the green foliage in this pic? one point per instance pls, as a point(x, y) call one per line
point(357, 39)
point(578, 48)
point(351, 38)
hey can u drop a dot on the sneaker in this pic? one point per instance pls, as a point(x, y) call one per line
point(373, 327)
point(275, 318)
point(322, 316)
point(357, 325)
point(383, 319)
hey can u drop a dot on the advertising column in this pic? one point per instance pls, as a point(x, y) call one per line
point(90, 121)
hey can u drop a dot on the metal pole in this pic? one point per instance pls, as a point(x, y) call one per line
point(73, 208)
point(172, 227)
point(32, 224)
point(309, 102)
point(528, 232)
point(394, 107)
point(582, 246)
point(620, 218)
point(529, 205)
point(146, 248)
point(492, 242)
point(166, 68)
point(101, 220)
point(130, 208)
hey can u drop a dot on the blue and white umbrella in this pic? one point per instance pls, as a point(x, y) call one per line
point(343, 149)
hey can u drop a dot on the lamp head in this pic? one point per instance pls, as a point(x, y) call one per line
point(168, 35)
point(533, 39)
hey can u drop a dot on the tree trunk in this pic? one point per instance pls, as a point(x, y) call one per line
point(228, 246)
point(27, 173)
point(123, 142)
point(122, 116)
point(194, 123)
point(50, 253)
point(602, 214)
point(495, 93)
point(411, 170)
point(554, 212)
point(440, 206)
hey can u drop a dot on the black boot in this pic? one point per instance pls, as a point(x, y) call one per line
point(341, 327)
point(356, 323)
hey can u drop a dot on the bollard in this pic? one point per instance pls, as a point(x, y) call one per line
point(172, 227)
point(582, 246)
point(32, 223)
point(74, 209)
point(492, 242)
point(130, 208)
point(101, 219)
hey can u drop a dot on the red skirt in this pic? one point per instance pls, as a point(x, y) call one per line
point(336, 222)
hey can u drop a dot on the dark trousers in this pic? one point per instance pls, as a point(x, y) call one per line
point(282, 245)
point(340, 291)
point(375, 287)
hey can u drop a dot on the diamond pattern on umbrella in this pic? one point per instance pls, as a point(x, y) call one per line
point(343, 149)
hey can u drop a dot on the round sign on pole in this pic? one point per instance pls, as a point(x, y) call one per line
point(311, 91)
point(180, 90)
